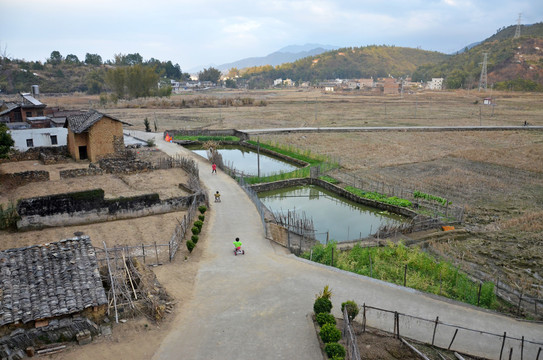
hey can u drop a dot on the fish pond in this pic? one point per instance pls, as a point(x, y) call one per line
point(343, 219)
point(246, 160)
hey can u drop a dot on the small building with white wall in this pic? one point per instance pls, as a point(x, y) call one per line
point(435, 84)
point(45, 137)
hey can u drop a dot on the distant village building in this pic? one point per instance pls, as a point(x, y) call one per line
point(390, 86)
point(28, 108)
point(93, 135)
point(435, 84)
point(278, 82)
point(369, 83)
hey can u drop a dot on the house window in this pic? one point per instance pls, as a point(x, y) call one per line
point(40, 113)
point(29, 114)
point(54, 140)
point(29, 143)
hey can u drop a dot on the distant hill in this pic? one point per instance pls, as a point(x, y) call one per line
point(284, 55)
point(509, 60)
point(356, 62)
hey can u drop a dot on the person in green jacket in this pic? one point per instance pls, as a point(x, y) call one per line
point(237, 244)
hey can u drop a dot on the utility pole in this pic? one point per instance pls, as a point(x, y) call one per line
point(483, 80)
point(517, 30)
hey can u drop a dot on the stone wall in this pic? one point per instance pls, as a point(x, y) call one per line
point(90, 206)
point(336, 190)
point(124, 165)
point(25, 177)
point(58, 330)
point(73, 173)
point(50, 154)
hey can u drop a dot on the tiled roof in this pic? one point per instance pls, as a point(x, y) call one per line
point(9, 107)
point(44, 281)
point(82, 122)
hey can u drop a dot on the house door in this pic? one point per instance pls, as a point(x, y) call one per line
point(82, 153)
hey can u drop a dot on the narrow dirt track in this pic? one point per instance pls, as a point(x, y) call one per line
point(258, 305)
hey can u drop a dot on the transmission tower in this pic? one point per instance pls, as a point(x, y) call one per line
point(517, 31)
point(483, 80)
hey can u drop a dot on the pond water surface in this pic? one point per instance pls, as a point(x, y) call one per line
point(345, 220)
point(246, 160)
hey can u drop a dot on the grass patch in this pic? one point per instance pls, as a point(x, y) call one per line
point(423, 271)
point(373, 195)
point(329, 179)
point(207, 138)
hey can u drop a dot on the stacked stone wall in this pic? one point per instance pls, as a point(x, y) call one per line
point(25, 177)
point(90, 206)
point(208, 132)
point(58, 330)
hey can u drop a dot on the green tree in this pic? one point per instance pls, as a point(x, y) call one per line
point(230, 84)
point(71, 59)
point(55, 58)
point(6, 142)
point(210, 74)
point(95, 81)
point(93, 59)
point(115, 79)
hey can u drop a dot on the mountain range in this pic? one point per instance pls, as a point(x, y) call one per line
point(286, 54)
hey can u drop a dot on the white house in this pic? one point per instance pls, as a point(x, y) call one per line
point(277, 82)
point(45, 137)
point(435, 84)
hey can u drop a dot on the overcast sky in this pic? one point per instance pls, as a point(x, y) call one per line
point(212, 32)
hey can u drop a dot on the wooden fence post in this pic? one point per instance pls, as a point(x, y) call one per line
point(156, 253)
point(364, 319)
point(435, 328)
point(503, 344)
point(454, 336)
point(143, 250)
point(479, 293)
point(405, 275)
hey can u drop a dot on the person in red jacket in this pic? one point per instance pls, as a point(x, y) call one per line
point(214, 168)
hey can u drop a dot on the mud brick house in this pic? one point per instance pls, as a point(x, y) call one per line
point(93, 135)
point(42, 283)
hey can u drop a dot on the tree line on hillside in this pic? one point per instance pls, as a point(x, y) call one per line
point(61, 74)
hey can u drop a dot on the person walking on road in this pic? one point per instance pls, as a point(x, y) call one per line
point(214, 168)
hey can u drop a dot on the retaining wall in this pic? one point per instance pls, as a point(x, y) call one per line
point(90, 206)
point(25, 177)
point(336, 190)
point(208, 132)
point(274, 154)
point(73, 173)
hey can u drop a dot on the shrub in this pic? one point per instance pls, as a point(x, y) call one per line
point(330, 333)
point(198, 224)
point(202, 209)
point(322, 305)
point(201, 217)
point(190, 245)
point(325, 318)
point(326, 293)
point(335, 350)
point(194, 238)
point(195, 230)
point(352, 309)
point(151, 143)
